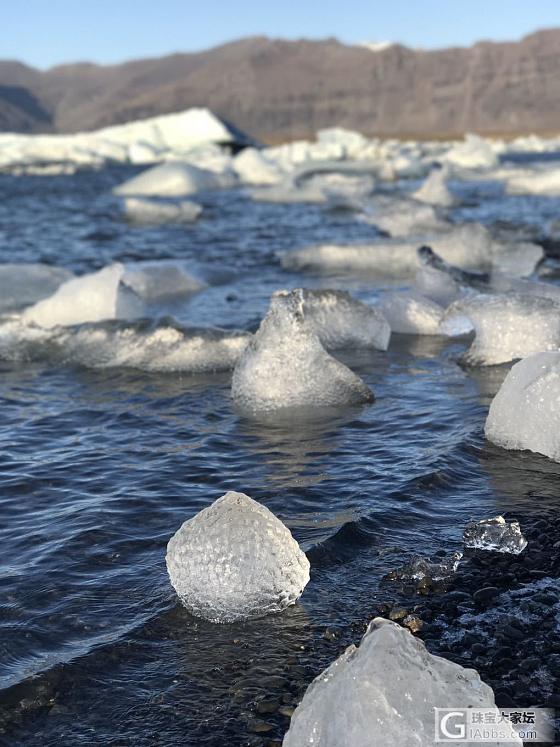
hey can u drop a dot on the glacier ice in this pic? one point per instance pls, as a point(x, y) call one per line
point(542, 182)
point(154, 281)
point(495, 534)
point(384, 693)
point(424, 569)
point(340, 321)
point(286, 366)
point(253, 167)
point(24, 284)
point(143, 210)
point(525, 413)
point(321, 182)
point(434, 191)
point(473, 153)
point(173, 179)
point(89, 298)
point(437, 285)
point(398, 216)
point(507, 326)
point(235, 560)
point(409, 312)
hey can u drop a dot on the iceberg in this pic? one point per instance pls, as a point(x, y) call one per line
point(525, 413)
point(411, 313)
point(25, 284)
point(253, 167)
point(506, 326)
point(384, 693)
point(495, 534)
point(155, 281)
point(545, 183)
point(285, 365)
point(143, 210)
point(473, 153)
point(90, 298)
point(434, 190)
point(235, 560)
point(173, 179)
point(340, 321)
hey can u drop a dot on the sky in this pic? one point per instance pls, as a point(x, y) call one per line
point(49, 32)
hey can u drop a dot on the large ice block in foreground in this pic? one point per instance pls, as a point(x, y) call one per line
point(383, 694)
point(143, 210)
point(340, 321)
point(285, 365)
point(173, 179)
point(24, 284)
point(434, 190)
point(411, 313)
point(506, 326)
point(236, 560)
point(525, 413)
point(495, 534)
point(90, 298)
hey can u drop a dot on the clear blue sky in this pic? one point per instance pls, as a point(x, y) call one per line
point(48, 32)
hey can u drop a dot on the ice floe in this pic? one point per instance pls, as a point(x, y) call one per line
point(25, 284)
point(506, 326)
point(409, 312)
point(434, 190)
point(235, 560)
point(143, 210)
point(384, 693)
point(525, 413)
point(542, 182)
point(286, 366)
point(154, 281)
point(173, 179)
point(398, 216)
point(495, 534)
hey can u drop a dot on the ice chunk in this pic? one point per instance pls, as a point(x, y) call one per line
point(546, 183)
point(437, 286)
point(154, 281)
point(506, 326)
point(473, 153)
point(411, 313)
point(434, 190)
point(24, 284)
point(525, 413)
point(424, 569)
point(340, 321)
point(89, 298)
point(495, 534)
point(285, 365)
point(144, 210)
point(253, 167)
point(402, 217)
point(173, 179)
point(384, 693)
point(235, 560)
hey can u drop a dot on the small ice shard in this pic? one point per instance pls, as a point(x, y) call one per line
point(24, 284)
point(495, 534)
point(340, 321)
point(507, 326)
point(434, 190)
point(147, 211)
point(411, 313)
point(173, 179)
point(285, 365)
point(235, 560)
point(423, 569)
point(154, 281)
point(89, 298)
point(525, 413)
point(384, 693)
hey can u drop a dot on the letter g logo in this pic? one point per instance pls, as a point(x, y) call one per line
point(458, 728)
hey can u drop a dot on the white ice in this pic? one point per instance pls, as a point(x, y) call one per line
point(437, 286)
point(173, 179)
point(495, 534)
point(525, 413)
point(544, 182)
point(409, 312)
point(285, 365)
point(434, 190)
point(252, 167)
point(235, 560)
point(24, 284)
point(154, 281)
point(473, 153)
point(384, 693)
point(399, 216)
point(143, 210)
point(506, 326)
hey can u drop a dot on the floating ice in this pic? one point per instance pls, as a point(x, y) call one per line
point(411, 313)
point(525, 413)
point(434, 190)
point(143, 210)
point(506, 326)
point(253, 167)
point(235, 560)
point(321, 183)
point(285, 365)
point(384, 693)
point(154, 281)
point(437, 285)
point(340, 321)
point(21, 285)
point(401, 217)
point(546, 183)
point(495, 534)
point(89, 298)
point(473, 153)
point(173, 179)
point(423, 569)
point(144, 345)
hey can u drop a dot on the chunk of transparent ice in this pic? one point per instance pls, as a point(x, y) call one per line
point(495, 534)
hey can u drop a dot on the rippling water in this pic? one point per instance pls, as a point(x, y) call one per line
point(99, 467)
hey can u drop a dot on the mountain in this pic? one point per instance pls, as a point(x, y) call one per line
point(280, 90)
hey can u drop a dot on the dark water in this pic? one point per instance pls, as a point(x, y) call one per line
point(99, 468)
